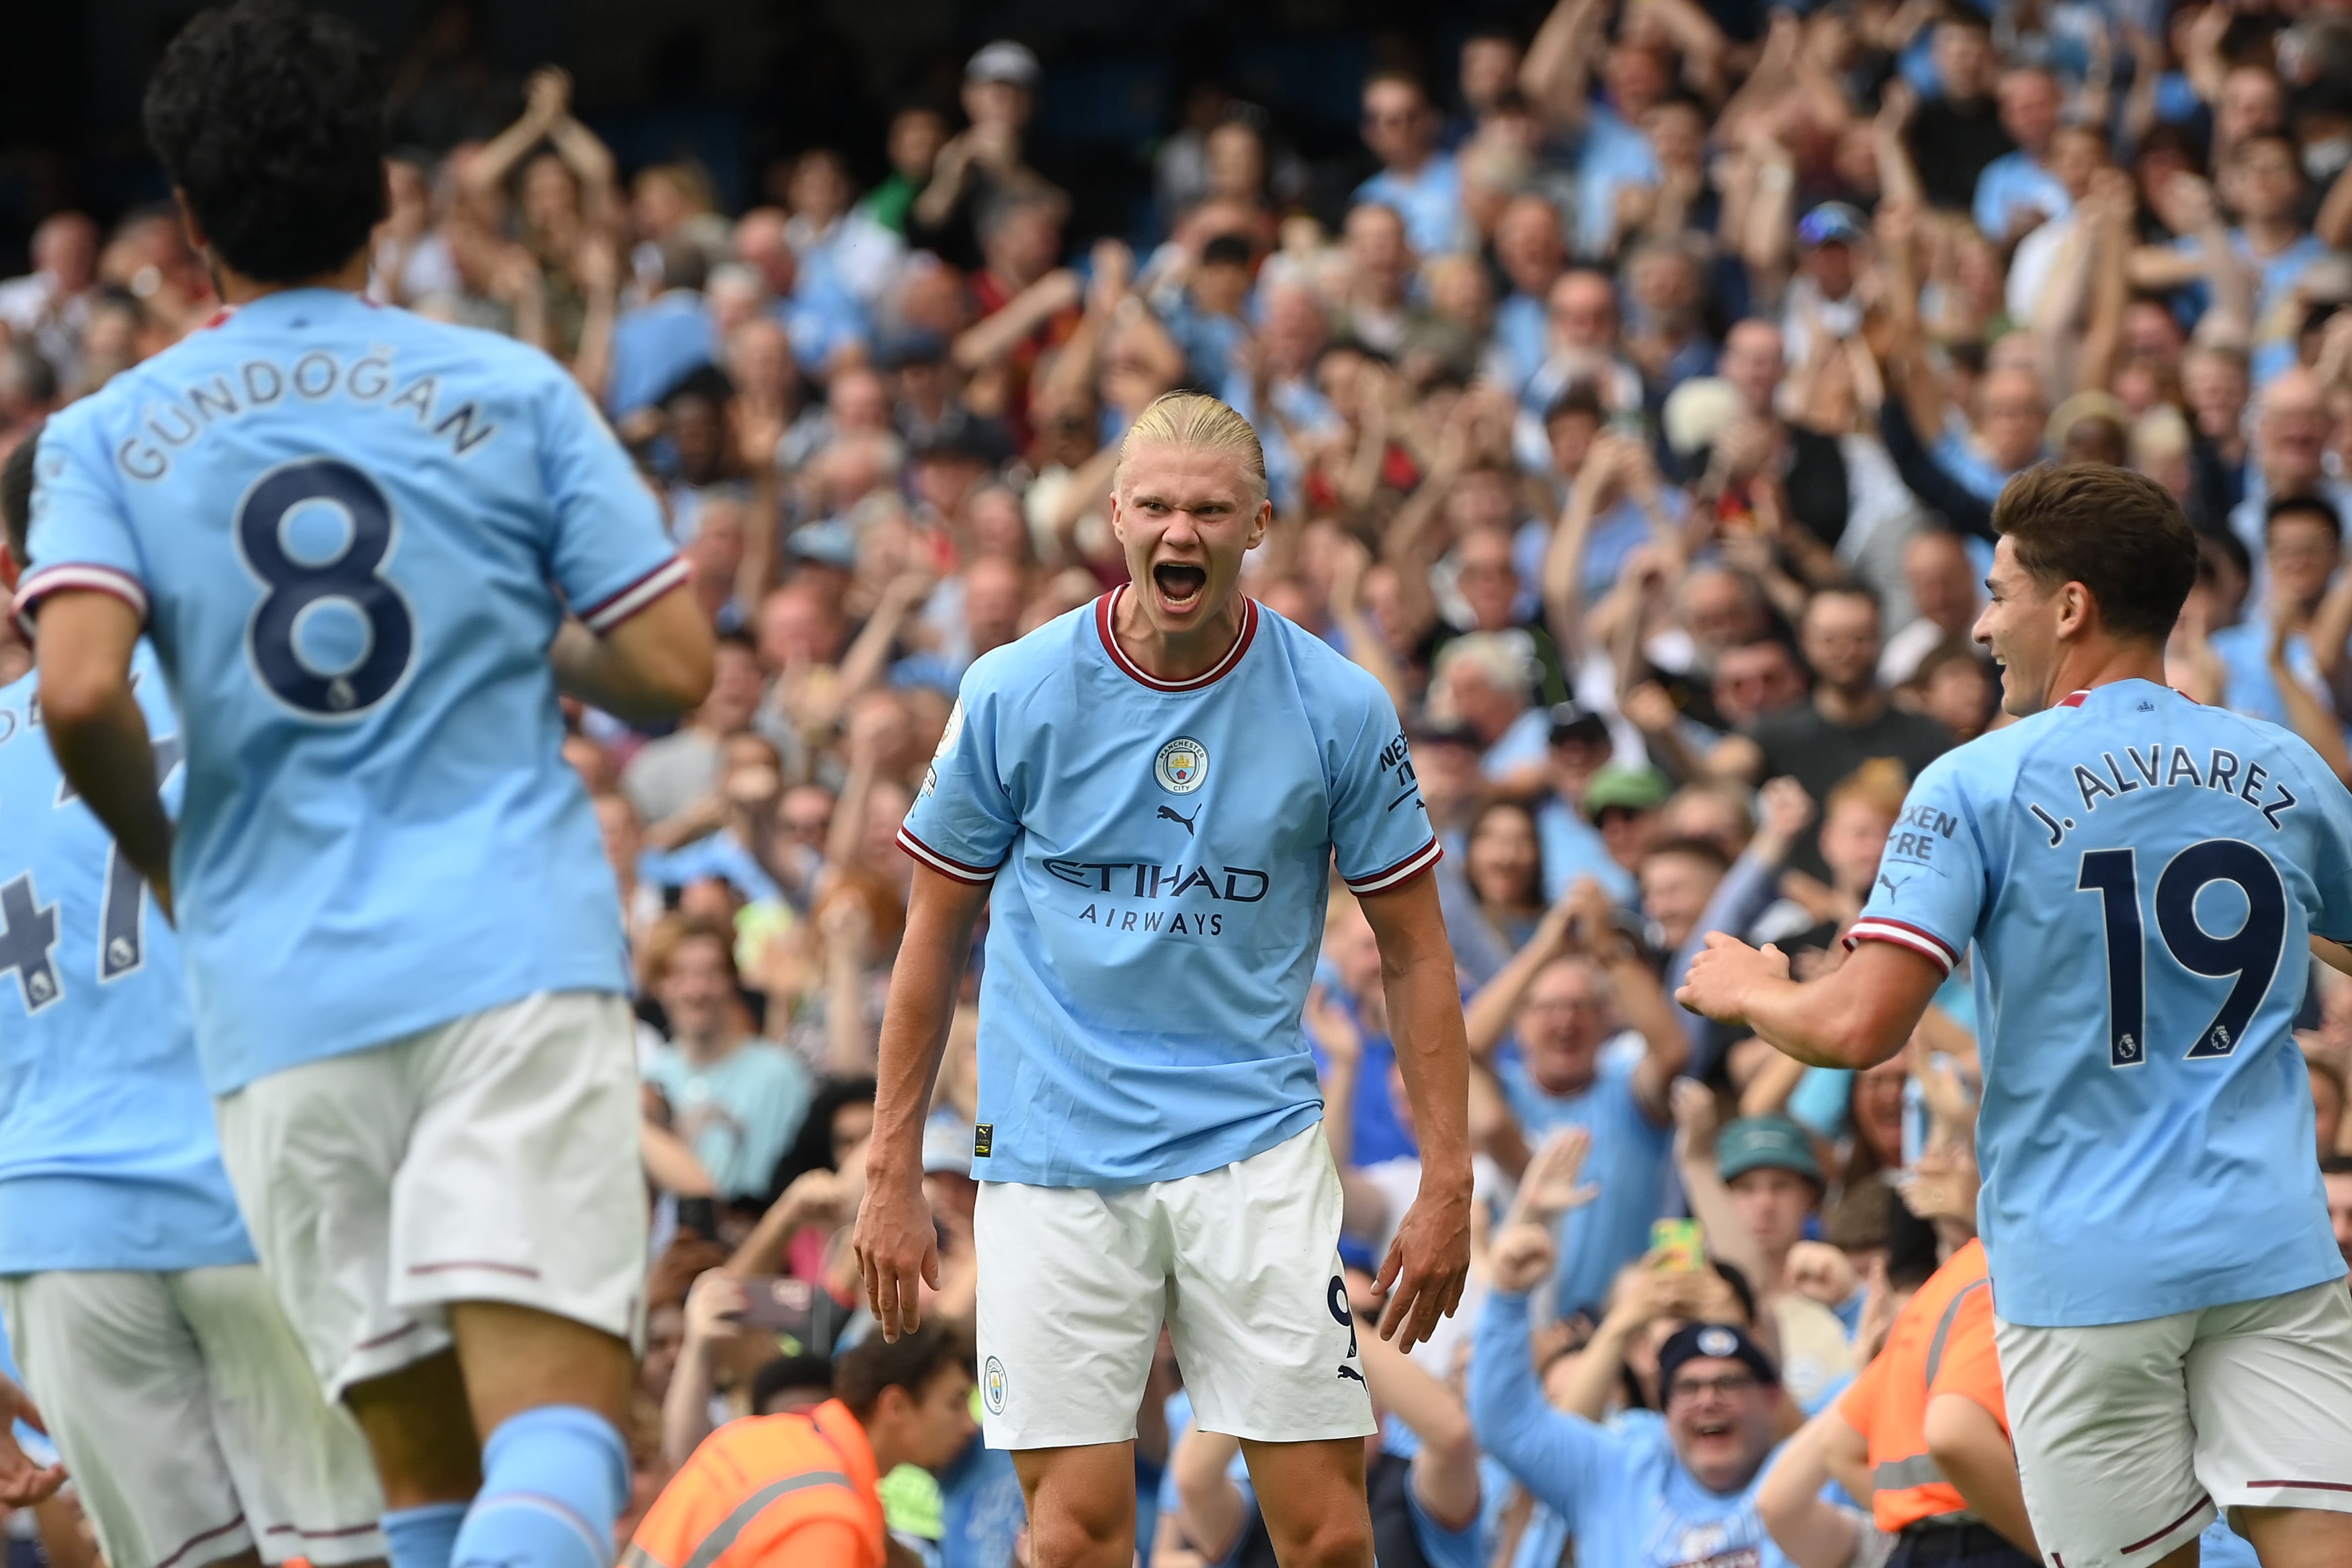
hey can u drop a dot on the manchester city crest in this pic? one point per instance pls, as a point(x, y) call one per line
point(992, 1387)
point(1183, 766)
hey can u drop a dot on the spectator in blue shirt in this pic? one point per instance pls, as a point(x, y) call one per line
point(1421, 183)
point(1531, 244)
point(1204, 315)
point(1681, 1490)
point(2303, 538)
point(655, 344)
point(1598, 1048)
point(2017, 190)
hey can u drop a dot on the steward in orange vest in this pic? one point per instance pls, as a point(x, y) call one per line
point(1941, 1343)
point(800, 1489)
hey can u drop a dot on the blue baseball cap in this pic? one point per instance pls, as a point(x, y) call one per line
point(1832, 223)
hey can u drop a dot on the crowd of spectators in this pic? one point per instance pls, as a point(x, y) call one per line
point(1637, 423)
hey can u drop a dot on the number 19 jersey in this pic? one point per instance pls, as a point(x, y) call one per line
point(351, 534)
point(2140, 874)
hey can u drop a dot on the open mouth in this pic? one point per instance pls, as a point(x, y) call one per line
point(1711, 1429)
point(1180, 584)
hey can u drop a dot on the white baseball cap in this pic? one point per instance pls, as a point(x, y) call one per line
point(1004, 62)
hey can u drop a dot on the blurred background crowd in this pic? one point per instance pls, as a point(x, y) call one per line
point(1636, 378)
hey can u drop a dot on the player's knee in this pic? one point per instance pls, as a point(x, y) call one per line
point(1339, 1540)
point(1082, 1533)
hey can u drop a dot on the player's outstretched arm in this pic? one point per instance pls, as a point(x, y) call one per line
point(898, 1249)
point(651, 665)
point(1856, 1016)
point(97, 729)
point(1430, 1258)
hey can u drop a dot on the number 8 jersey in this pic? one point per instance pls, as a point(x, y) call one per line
point(2140, 874)
point(351, 534)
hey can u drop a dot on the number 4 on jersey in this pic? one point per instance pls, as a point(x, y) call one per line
point(28, 929)
point(2249, 955)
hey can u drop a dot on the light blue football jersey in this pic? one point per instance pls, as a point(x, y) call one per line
point(2140, 874)
point(1161, 853)
point(352, 533)
point(107, 1155)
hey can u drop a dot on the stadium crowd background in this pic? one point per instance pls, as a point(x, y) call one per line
point(1635, 420)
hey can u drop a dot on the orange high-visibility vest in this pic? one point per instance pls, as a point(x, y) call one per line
point(1941, 1343)
point(769, 1491)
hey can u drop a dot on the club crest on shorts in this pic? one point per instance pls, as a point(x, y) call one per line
point(1183, 766)
point(992, 1385)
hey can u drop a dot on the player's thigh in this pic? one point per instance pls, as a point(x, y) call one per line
point(301, 1465)
point(2270, 1385)
point(1081, 1504)
point(2105, 1440)
point(521, 1182)
point(1312, 1496)
point(120, 1382)
point(312, 1152)
point(1073, 1288)
point(1261, 1319)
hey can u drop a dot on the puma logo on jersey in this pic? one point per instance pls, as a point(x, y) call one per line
point(1171, 814)
point(1351, 1372)
point(1894, 888)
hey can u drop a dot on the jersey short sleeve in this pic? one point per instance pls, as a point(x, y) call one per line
point(1932, 878)
point(1379, 826)
point(608, 552)
point(963, 820)
point(80, 538)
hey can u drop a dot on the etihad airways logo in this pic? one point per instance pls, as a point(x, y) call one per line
point(1143, 879)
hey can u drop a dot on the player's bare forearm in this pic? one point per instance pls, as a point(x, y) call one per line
point(894, 1239)
point(1857, 1015)
point(941, 914)
point(656, 664)
point(1432, 1048)
point(96, 728)
point(1430, 1258)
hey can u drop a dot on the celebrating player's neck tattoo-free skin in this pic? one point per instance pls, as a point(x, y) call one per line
point(2049, 642)
point(1186, 516)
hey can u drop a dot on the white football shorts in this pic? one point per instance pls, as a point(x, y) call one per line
point(189, 1420)
point(493, 1158)
point(1243, 1265)
point(2131, 1437)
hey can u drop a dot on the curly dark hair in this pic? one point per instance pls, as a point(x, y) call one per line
point(270, 120)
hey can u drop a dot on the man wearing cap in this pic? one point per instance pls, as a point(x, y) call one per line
point(987, 158)
point(1824, 310)
point(1572, 845)
point(1622, 803)
point(1681, 1490)
point(1764, 1183)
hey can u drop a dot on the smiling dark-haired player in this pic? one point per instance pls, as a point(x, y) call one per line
point(2142, 878)
point(369, 549)
point(1148, 795)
